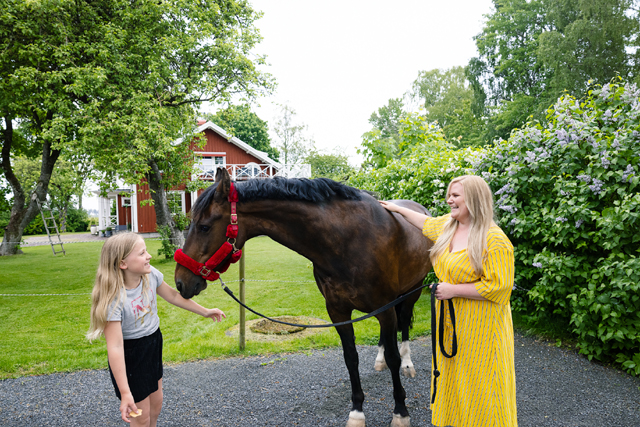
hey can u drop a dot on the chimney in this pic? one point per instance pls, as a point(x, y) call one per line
point(201, 122)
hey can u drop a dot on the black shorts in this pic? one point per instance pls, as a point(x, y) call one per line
point(143, 361)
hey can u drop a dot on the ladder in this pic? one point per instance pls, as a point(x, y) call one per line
point(47, 215)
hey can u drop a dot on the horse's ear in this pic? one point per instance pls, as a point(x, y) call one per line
point(224, 183)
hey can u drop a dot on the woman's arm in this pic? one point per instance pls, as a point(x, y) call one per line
point(462, 290)
point(173, 297)
point(115, 354)
point(415, 218)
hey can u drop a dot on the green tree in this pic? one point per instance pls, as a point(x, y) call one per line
point(292, 141)
point(119, 81)
point(382, 143)
point(447, 98)
point(532, 51)
point(240, 121)
point(334, 166)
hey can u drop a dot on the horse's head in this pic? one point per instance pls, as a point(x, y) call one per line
point(211, 215)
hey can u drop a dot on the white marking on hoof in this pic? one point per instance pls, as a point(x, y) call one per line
point(399, 421)
point(356, 419)
point(380, 364)
point(406, 364)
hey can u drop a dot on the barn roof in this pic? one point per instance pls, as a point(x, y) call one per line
point(237, 142)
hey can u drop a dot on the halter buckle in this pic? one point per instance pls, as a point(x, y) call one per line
point(204, 271)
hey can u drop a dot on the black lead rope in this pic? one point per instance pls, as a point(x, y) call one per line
point(434, 348)
point(373, 313)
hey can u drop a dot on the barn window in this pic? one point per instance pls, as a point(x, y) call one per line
point(175, 200)
point(209, 163)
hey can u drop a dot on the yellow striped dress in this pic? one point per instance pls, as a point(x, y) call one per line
point(477, 387)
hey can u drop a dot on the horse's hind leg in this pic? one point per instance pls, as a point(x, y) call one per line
point(388, 336)
point(404, 313)
point(380, 364)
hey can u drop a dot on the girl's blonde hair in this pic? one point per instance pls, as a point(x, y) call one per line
point(109, 285)
point(479, 202)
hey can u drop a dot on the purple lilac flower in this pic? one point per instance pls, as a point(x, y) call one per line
point(505, 189)
point(537, 264)
point(562, 135)
point(561, 219)
point(608, 113)
point(597, 186)
point(628, 174)
point(579, 223)
point(584, 178)
point(565, 193)
point(509, 208)
point(513, 221)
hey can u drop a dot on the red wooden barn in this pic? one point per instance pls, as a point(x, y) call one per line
point(122, 209)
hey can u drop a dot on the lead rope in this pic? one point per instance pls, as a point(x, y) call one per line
point(434, 348)
point(327, 325)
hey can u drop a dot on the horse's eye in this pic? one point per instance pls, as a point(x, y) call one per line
point(204, 228)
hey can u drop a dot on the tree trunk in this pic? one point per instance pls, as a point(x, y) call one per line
point(159, 196)
point(63, 214)
point(21, 216)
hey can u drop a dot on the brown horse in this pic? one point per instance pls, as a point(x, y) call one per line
point(363, 257)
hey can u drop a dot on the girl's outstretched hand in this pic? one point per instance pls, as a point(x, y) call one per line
point(215, 314)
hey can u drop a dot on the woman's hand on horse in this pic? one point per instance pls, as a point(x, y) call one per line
point(391, 207)
point(215, 314)
point(445, 291)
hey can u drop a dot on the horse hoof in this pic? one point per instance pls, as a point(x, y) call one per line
point(380, 365)
point(409, 371)
point(400, 421)
point(356, 419)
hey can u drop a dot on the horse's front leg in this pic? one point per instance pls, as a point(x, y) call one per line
point(348, 338)
point(388, 337)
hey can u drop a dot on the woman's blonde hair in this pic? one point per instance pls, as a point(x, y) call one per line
point(109, 285)
point(479, 201)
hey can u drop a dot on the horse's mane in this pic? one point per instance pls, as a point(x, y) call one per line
point(316, 190)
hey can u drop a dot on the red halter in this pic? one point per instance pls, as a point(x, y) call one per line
point(218, 263)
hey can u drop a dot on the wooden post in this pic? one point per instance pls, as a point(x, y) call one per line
point(241, 334)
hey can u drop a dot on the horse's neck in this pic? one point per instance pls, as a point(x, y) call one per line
point(293, 224)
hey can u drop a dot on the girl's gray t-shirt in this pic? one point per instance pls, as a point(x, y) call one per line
point(138, 313)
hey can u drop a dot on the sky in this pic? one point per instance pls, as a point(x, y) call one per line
point(336, 62)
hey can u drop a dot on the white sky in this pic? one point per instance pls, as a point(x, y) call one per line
point(336, 62)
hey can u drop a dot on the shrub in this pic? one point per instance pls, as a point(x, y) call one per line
point(566, 194)
point(568, 199)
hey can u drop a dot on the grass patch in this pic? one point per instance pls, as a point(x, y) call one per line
point(45, 334)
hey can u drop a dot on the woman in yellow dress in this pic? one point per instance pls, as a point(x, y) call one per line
point(473, 260)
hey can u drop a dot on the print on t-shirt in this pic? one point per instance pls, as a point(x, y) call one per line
point(140, 309)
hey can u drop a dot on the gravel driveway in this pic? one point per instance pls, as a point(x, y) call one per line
point(555, 387)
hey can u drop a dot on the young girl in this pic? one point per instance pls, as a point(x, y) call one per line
point(124, 309)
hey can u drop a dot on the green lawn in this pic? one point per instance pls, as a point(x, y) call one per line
point(41, 334)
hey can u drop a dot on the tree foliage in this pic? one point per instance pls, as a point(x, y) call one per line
point(240, 121)
point(329, 165)
point(532, 51)
point(292, 142)
point(120, 81)
point(567, 196)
